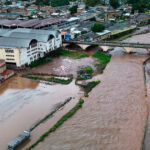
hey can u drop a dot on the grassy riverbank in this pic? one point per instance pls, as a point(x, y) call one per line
point(59, 123)
point(51, 113)
point(103, 60)
point(62, 52)
point(89, 87)
point(50, 79)
point(39, 62)
point(85, 73)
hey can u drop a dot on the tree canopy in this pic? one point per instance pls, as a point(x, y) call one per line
point(92, 2)
point(73, 9)
point(98, 27)
point(114, 3)
point(140, 5)
point(53, 3)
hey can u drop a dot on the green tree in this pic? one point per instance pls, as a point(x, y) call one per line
point(8, 2)
point(148, 6)
point(83, 32)
point(92, 2)
point(73, 9)
point(98, 27)
point(140, 5)
point(56, 3)
point(114, 3)
point(92, 19)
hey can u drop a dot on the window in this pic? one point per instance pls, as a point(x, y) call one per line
point(10, 55)
point(10, 59)
point(9, 51)
point(34, 45)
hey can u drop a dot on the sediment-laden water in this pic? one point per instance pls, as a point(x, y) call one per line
point(113, 116)
point(24, 102)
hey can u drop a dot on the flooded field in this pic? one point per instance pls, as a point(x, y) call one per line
point(64, 66)
point(23, 102)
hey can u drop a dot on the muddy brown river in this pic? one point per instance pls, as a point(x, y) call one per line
point(23, 102)
point(113, 116)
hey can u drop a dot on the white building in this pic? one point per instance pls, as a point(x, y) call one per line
point(20, 46)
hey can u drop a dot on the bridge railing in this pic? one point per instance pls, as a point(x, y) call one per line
point(107, 43)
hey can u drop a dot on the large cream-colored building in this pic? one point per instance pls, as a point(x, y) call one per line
point(2, 65)
point(19, 47)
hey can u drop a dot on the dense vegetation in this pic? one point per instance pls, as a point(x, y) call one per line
point(53, 3)
point(84, 32)
point(114, 3)
point(85, 73)
point(39, 62)
point(103, 60)
point(73, 9)
point(62, 52)
point(50, 79)
point(98, 27)
point(89, 87)
point(92, 2)
point(59, 123)
point(140, 5)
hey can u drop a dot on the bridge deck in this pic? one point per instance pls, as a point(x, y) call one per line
point(116, 44)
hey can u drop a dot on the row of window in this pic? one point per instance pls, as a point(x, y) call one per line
point(10, 55)
point(9, 51)
point(10, 59)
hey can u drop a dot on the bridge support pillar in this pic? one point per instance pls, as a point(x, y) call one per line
point(148, 49)
point(128, 49)
point(64, 44)
point(83, 46)
point(105, 48)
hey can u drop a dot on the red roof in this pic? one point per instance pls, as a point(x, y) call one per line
point(7, 72)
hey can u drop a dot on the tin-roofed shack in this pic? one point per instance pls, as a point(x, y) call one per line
point(18, 140)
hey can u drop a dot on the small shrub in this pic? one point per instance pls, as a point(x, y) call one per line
point(39, 62)
point(85, 73)
point(103, 60)
point(62, 52)
point(83, 32)
point(90, 86)
point(52, 79)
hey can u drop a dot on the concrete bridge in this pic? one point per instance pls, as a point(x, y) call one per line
point(128, 47)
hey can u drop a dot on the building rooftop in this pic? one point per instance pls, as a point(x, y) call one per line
point(10, 42)
point(29, 23)
point(38, 37)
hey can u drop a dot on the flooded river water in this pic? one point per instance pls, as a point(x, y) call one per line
point(113, 116)
point(23, 102)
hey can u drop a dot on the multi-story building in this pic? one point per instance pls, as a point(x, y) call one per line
point(19, 47)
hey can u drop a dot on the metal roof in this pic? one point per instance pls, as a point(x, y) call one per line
point(42, 32)
point(4, 31)
point(33, 23)
point(49, 21)
point(29, 23)
point(10, 42)
point(38, 37)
